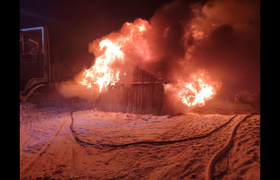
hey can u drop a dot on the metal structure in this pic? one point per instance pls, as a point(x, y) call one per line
point(34, 60)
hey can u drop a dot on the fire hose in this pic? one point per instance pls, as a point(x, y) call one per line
point(224, 150)
point(211, 163)
point(79, 139)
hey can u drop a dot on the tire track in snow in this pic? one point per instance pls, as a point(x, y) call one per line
point(28, 165)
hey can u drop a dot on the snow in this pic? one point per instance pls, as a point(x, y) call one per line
point(49, 149)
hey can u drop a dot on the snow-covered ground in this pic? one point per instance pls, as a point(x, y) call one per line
point(49, 149)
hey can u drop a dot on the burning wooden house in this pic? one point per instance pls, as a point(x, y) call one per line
point(143, 94)
point(124, 86)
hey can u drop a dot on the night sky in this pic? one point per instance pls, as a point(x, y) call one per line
point(74, 24)
point(229, 49)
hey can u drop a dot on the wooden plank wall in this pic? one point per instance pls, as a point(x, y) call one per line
point(136, 98)
point(144, 95)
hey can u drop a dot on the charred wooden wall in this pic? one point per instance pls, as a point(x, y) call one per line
point(143, 95)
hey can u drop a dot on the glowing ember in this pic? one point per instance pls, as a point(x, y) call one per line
point(196, 92)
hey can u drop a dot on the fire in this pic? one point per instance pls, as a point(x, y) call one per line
point(129, 44)
point(196, 92)
point(112, 48)
point(101, 73)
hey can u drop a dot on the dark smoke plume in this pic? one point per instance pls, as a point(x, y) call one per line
point(219, 36)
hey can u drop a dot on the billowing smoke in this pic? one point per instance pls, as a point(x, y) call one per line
point(221, 37)
point(70, 89)
point(230, 46)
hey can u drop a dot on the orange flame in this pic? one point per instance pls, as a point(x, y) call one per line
point(106, 71)
point(196, 92)
point(115, 49)
point(101, 73)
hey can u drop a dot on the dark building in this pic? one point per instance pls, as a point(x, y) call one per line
point(144, 94)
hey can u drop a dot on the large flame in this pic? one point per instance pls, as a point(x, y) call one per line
point(196, 92)
point(106, 69)
point(101, 73)
point(115, 49)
